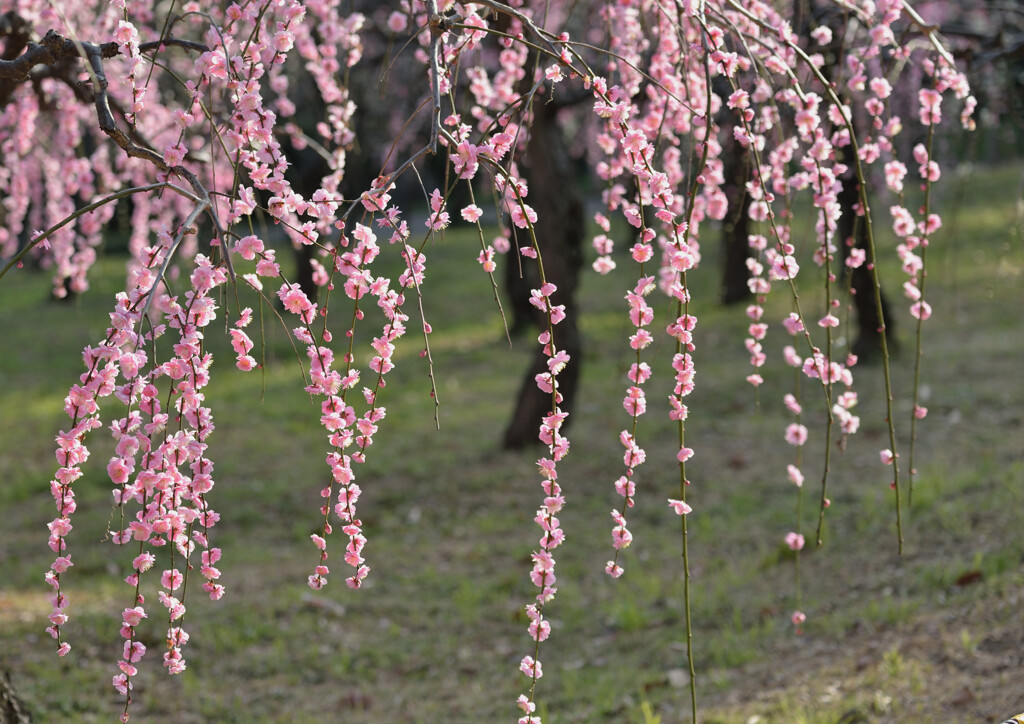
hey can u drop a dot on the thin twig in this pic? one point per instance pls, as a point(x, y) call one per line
point(92, 207)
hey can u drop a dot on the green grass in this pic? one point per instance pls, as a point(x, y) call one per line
point(437, 633)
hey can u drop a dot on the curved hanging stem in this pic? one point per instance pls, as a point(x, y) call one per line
point(36, 240)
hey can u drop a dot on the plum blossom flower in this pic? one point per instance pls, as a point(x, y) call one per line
point(796, 434)
point(397, 22)
point(679, 507)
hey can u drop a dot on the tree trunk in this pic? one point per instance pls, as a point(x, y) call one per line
point(736, 225)
point(556, 197)
point(852, 233)
point(12, 710)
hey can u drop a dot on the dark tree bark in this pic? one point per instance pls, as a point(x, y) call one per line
point(16, 34)
point(736, 226)
point(556, 197)
point(12, 709)
point(517, 285)
point(852, 233)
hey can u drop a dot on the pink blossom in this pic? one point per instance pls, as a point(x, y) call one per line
point(174, 154)
point(920, 310)
point(795, 541)
point(793, 324)
point(895, 172)
point(133, 651)
point(641, 339)
point(796, 434)
point(486, 259)
point(822, 35)
point(642, 253)
point(171, 579)
point(133, 616)
point(126, 33)
point(880, 87)
point(679, 507)
point(531, 667)
point(397, 22)
point(930, 101)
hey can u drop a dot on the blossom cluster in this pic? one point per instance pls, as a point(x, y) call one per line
point(552, 536)
point(208, 130)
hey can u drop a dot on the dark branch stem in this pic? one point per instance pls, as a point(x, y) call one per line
point(55, 50)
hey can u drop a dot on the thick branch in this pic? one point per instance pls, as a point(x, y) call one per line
point(55, 47)
point(94, 53)
point(55, 50)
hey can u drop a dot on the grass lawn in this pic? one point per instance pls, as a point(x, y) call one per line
point(439, 629)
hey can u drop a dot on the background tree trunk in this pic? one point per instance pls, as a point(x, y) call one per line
point(12, 710)
point(556, 196)
point(736, 225)
point(852, 233)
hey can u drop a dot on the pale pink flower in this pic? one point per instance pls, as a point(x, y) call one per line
point(822, 35)
point(621, 537)
point(133, 616)
point(531, 667)
point(795, 541)
point(793, 324)
point(553, 73)
point(397, 22)
point(796, 434)
point(642, 253)
point(525, 704)
point(920, 310)
point(856, 258)
point(679, 507)
point(174, 154)
point(880, 87)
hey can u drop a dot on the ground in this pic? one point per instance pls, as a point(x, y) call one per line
point(436, 635)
